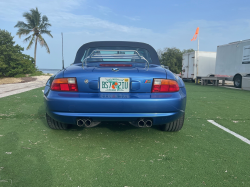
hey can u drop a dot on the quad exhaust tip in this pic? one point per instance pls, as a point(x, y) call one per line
point(141, 123)
point(145, 123)
point(80, 123)
point(87, 122)
point(84, 122)
point(148, 123)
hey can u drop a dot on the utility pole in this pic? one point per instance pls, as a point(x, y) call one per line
point(196, 54)
point(62, 53)
point(197, 63)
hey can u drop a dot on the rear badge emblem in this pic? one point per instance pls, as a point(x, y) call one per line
point(147, 81)
point(115, 69)
point(86, 81)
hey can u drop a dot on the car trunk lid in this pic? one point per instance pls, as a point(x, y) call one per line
point(140, 78)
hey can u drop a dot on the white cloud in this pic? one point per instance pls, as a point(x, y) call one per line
point(12, 10)
point(65, 19)
point(136, 18)
point(105, 10)
point(60, 14)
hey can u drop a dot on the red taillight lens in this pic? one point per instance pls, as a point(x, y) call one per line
point(64, 84)
point(165, 85)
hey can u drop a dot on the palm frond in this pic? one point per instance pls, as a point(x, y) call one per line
point(44, 26)
point(43, 43)
point(29, 19)
point(31, 42)
point(21, 32)
point(46, 32)
point(28, 38)
point(41, 40)
point(36, 15)
point(45, 19)
point(21, 24)
point(37, 25)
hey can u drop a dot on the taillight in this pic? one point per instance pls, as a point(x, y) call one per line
point(64, 84)
point(165, 85)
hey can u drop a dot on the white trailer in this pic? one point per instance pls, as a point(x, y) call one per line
point(198, 64)
point(233, 61)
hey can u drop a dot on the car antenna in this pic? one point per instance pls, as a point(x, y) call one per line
point(62, 53)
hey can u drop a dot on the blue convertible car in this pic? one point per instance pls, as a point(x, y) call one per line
point(115, 81)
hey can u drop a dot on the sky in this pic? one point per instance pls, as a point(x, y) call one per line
point(160, 23)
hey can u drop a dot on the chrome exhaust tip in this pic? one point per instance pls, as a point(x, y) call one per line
point(87, 122)
point(148, 123)
point(141, 123)
point(80, 123)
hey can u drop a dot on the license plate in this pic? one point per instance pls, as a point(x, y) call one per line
point(109, 84)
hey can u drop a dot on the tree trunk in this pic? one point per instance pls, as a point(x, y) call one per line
point(35, 51)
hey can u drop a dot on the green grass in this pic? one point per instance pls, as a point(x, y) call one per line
point(228, 107)
point(20, 75)
point(112, 154)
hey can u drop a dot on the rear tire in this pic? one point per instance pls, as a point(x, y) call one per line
point(174, 125)
point(237, 81)
point(53, 124)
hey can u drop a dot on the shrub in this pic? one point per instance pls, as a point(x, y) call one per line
point(12, 61)
point(37, 73)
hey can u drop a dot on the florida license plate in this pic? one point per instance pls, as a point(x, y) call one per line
point(109, 84)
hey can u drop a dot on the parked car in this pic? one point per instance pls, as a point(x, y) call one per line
point(115, 81)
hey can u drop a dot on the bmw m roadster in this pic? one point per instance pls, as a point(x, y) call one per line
point(115, 81)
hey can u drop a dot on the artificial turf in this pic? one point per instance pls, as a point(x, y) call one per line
point(114, 154)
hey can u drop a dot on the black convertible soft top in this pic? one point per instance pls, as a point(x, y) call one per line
point(86, 46)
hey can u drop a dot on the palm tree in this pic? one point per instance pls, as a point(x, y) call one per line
point(36, 25)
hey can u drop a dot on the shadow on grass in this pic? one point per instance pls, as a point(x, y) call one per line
point(41, 112)
point(111, 125)
point(114, 126)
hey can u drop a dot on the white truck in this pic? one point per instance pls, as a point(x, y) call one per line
point(233, 61)
point(198, 64)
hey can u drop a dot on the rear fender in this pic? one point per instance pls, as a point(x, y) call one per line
point(242, 75)
point(49, 82)
point(237, 74)
point(172, 76)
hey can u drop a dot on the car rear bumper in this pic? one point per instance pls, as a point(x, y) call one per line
point(161, 108)
point(157, 118)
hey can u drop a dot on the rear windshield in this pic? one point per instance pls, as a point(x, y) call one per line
point(123, 54)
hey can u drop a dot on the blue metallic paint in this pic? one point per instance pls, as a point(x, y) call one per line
point(93, 72)
point(161, 108)
point(89, 102)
